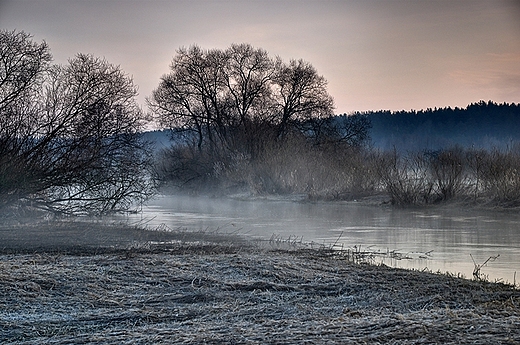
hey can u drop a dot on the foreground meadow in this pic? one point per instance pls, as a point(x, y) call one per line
point(91, 283)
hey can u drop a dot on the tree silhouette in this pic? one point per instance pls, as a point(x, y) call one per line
point(68, 136)
point(230, 98)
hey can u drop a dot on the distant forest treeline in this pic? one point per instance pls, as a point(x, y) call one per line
point(480, 125)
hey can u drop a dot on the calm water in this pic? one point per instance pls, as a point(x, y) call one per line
point(448, 236)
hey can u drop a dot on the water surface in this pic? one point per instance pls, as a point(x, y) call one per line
point(440, 239)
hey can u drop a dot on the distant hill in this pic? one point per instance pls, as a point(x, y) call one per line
point(479, 125)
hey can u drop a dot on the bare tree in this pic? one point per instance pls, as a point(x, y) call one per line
point(301, 95)
point(248, 76)
point(232, 102)
point(190, 98)
point(74, 137)
point(448, 170)
point(23, 64)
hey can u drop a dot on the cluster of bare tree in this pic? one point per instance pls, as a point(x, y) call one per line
point(69, 138)
point(240, 112)
point(226, 98)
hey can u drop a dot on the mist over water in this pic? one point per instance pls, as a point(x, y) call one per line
point(439, 239)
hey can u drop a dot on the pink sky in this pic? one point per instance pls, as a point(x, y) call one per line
point(390, 54)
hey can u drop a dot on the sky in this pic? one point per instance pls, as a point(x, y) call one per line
point(376, 55)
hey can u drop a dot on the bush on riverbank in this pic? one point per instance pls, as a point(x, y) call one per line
point(476, 176)
point(333, 171)
point(328, 170)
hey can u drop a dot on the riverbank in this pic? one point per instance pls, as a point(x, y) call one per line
point(212, 288)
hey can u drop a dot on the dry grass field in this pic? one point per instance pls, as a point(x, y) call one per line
point(99, 284)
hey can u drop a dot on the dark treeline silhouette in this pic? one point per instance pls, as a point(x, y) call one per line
point(480, 125)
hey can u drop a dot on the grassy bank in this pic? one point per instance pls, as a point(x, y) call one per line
point(209, 289)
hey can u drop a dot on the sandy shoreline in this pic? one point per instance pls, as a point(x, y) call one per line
point(213, 289)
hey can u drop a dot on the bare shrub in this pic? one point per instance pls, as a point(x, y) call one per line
point(327, 171)
point(283, 167)
point(501, 176)
point(184, 167)
point(406, 179)
point(476, 163)
point(449, 173)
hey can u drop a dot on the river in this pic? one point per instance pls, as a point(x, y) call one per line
point(438, 239)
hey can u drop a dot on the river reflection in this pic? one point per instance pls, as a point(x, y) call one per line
point(448, 236)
